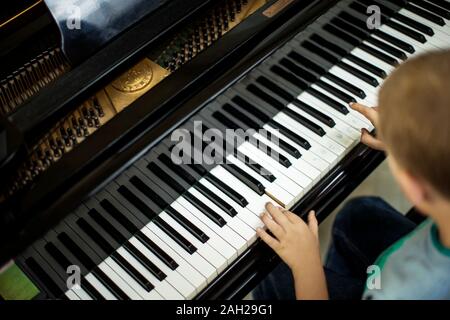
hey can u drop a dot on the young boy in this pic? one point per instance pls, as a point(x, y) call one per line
point(413, 125)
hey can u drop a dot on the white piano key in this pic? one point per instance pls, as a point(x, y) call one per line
point(215, 240)
point(200, 264)
point(250, 218)
point(204, 249)
point(71, 295)
point(92, 279)
point(120, 278)
point(350, 122)
point(256, 203)
point(184, 267)
point(165, 290)
point(444, 30)
point(247, 233)
point(310, 156)
point(281, 173)
point(325, 141)
point(174, 277)
point(225, 232)
point(339, 136)
point(80, 292)
point(300, 164)
point(373, 60)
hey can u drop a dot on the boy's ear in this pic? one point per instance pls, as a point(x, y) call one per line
point(414, 188)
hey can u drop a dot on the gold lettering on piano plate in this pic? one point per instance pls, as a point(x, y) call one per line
point(134, 83)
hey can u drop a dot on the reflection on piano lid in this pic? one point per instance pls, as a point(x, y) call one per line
point(156, 230)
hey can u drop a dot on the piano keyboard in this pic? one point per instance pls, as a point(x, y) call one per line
point(165, 231)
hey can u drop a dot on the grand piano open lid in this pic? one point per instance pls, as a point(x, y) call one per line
point(87, 25)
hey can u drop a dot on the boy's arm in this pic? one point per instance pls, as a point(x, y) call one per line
point(297, 244)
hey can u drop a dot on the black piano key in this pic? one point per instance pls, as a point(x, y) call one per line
point(107, 226)
point(43, 276)
point(196, 232)
point(177, 169)
point(300, 73)
point(153, 167)
point(138, 203)
point(178, 238)
point(216, 218)
point(89, 288)
point(348, 38)
point(290, 134)
point(131, 270)
point(364, 64)
point(380, 55)
point(114, 233)
point(289, 77)
point(109, 249)
point(362, 26)
point(119, 216)
point(110, 285)
point(329, 101)
point(315, 68)
point(426, 14)
point(244, 105)
point(432, 8)
point(396, 42)
point(328, 56)
point(216, 200)
point(229, 191)
point(227, 122)
point(207, 211)
point(307, 63)
point(65, 263)
point(266, 97)
point(441, 3)
point(87, 261)
point(156, 250)
point(407, 31)
point(199, 169)
point(363, 36)
point(305, 122)
point(150, 266)
point(148, 192)
point(266, 174)
point(314, 113)
point(281, 143)
point(252, 183)
point(402, 18)
point(286, 95)
point(95, 236)
point(242, 117)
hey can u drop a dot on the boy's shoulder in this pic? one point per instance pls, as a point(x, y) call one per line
point(414, 268)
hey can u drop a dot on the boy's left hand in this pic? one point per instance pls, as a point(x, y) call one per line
point(296, 242)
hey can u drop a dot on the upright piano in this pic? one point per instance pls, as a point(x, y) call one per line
point(90, 119)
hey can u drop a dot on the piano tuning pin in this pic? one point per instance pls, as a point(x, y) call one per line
point(98, 107)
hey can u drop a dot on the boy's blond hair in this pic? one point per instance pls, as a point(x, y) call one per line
point(415, 118)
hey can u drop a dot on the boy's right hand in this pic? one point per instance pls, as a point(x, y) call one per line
point(372, 115)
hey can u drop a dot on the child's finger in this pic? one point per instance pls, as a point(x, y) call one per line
point(371, 141)
point(274, 227)
point(368, 112)
point(313, 224)
point(277, 215)
point(270, 241)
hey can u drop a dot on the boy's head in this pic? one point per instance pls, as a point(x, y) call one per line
point(414, 109)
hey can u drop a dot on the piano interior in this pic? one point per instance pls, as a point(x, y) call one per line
point(90, 182)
